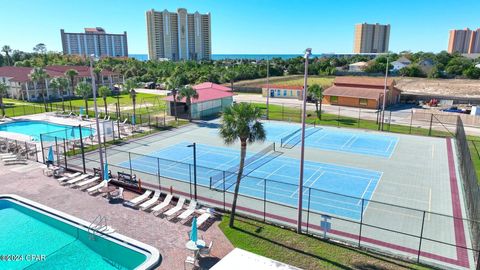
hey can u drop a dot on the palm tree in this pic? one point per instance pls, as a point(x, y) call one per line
point(71, 74)
point(316, 92)
point(173, 84)
point(60, 84)
point(129, 86)
point(7, 50)
point(188, 93)
point(231, 75)
point(97, 71)
point(38, 74)
point(104, 92)
point(3, 93)
point(84, 89)
point(241, 122)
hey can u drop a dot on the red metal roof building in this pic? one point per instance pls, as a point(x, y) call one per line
point(212, 98)
point(364, 92)
point(21, 87)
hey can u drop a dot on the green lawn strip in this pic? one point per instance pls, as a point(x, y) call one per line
point(303, 251)
point(294, 80)
point(474, 146)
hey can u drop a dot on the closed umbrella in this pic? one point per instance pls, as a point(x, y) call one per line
point(50, 155)
point(133, 119)
point(194, 232)
point(105, 172)
point(72, 133)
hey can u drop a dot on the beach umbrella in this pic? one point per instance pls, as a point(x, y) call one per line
point(50, 155)
point(105, 172)
point(81, 111)
point(194, 232)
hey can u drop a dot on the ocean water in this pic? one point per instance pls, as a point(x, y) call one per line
point(144, 57)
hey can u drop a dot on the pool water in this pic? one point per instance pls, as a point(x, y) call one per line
point(35, 128)
point(64, 246)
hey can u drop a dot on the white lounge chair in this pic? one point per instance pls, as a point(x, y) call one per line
point(118, 195)
point(206, 250)
point(94, 189)
point(187, 213)
point(202, 218)
point(75, 180)
point(138, 200)
point(68, 176)
point(144, 206)
point(15, 161)
point(158, 208)
point(8, 157)
point(86, 182)
point(171, 212)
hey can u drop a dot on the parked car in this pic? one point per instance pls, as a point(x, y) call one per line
point(149, 85)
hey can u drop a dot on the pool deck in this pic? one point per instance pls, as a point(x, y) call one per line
point(168, 237)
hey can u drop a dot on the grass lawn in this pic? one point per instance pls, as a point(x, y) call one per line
point(294, 80)
point(303, 251)
point(474, 146)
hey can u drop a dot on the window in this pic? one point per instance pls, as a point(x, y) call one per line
point(285, 93)
point(333, 99)
point(363, 101)
point(279, 93)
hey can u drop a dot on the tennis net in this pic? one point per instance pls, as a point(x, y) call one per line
point(296, 137)
point(227, 178)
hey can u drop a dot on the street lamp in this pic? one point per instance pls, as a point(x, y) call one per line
point(308, 53)
point(194, 145)
point(100, 152)
point(268, 84)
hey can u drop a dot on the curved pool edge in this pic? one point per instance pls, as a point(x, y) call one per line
point(153, 255)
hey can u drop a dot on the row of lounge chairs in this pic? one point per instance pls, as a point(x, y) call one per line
point(12, 159)
point(159, 208)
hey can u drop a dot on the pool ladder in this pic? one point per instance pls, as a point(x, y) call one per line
point(99, 225)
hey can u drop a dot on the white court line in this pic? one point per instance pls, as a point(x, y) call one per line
point(401, 197)
point(352, 140)
point(365, 191)
point(306, 181)
point(373, 192)
point(429, 203)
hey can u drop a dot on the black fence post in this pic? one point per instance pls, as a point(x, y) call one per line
point(65, 152)
point(389, 121)
point(308, 208)
point(421, 237)
point(81, 149)
point(190, 179)
point(411, 120)
point(264, 199)
point(130, 163)
point(359, 114)
point(158, 174)
point(41, 146)
point(361, 224)
point(56, 149)
point(223, 179)
point(430, 129)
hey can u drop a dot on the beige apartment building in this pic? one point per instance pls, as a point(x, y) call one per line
point(464, 41)
point(371, 38)
point(178, 35)
point(95, 41)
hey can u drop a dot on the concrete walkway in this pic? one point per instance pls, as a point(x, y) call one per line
point(167, 236)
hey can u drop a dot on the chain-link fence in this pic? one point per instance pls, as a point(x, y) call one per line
point(470, 182)
point(22, 149)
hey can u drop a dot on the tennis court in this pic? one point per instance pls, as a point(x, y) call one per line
point(216, 167)
point(327, 138)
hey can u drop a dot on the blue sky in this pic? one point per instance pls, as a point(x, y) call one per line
point(246, 26)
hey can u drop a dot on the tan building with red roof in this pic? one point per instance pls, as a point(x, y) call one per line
point(362, 92)
point(283, 91)
point(21, 87)
point(212, 98)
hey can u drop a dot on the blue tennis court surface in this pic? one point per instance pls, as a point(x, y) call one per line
point(281, 173)
point(335, 139)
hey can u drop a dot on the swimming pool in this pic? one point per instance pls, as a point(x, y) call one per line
point(39, 237)
point(35, 128)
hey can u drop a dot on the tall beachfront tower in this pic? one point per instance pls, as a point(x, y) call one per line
point(178, 35)
point(371, 38)
point(95, 41)
point(464, 41)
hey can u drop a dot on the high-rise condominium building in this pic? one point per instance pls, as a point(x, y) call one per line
point(178, 36)
point(464, 41)
point(95, 41)
point(371, 38)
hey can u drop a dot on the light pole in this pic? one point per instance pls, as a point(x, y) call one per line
point(268, 84)
point(99, 138)
point(308, 53)
point(384, 94)
point(194, 145)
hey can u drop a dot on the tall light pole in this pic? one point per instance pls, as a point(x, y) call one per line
point(384, 94)
point(99, 138)
point(268, 84)
point(308, 53)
